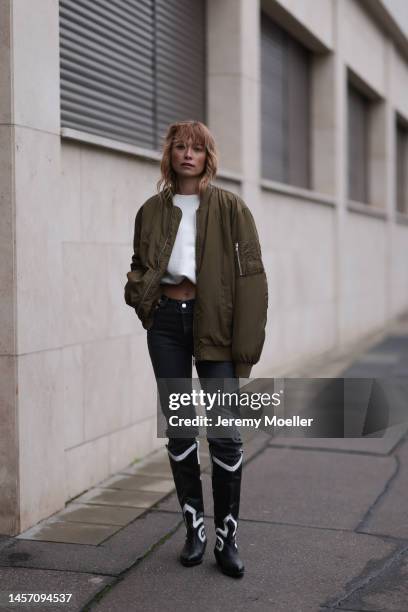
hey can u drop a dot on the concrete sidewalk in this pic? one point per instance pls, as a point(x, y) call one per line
point(323, 525)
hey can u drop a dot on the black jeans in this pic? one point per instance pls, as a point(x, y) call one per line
point(171, 347)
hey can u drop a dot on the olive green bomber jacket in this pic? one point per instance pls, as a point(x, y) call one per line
point(230, 311)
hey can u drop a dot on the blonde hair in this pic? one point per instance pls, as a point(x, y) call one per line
point(199, 134)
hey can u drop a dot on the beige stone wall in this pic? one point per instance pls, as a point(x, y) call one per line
point(9, 506)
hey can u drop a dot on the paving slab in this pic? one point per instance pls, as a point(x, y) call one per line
point(254, 444)
point(390, 514)
point(5, 540)
point(156, 464)
point(18, 580)
point(365, 368)
point(107, 515)
point(111, 557)
point(307, 487)
point(388, 358)
point(55, 530)
point(288, 569)
point(157, 470)
point(375, 446)
point(120, 497)
point(139, 482)
point(387, 592)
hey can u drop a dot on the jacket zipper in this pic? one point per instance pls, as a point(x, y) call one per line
point(158, 265)
point(195, 309)
point(239, 261)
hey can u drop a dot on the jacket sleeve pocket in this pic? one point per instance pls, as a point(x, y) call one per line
point(251, 292)
point(249, 257)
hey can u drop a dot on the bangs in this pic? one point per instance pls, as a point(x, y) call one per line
point(193, 132)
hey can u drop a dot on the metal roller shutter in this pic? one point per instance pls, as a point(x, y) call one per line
point(180, 62)
point(274, 109)
point(107, 68)
point(299, 114)
point(129, 67)
point(401, 168)
point(285, 106)
point(357, 145)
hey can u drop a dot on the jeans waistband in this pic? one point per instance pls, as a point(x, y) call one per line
point(180, 305)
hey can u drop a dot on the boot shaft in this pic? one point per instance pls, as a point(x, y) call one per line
point(226, 485)
point(185, 466)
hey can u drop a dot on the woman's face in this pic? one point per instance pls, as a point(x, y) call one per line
point(188, 160)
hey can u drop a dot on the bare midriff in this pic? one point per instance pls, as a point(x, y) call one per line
point(186, 290)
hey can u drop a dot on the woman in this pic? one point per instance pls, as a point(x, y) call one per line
point(198, 285)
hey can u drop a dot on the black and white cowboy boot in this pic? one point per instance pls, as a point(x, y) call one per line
point(226, 484)
point(187, 478)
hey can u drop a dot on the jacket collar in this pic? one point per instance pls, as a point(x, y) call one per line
point(168, 195)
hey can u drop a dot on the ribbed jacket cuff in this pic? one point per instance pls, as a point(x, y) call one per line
point(243, 370)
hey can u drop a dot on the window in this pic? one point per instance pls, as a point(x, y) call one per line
point(130, 67)
point(358, 146)
point(285, 106)
point(401, 166)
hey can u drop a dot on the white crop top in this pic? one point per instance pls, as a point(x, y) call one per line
point(182, 261)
